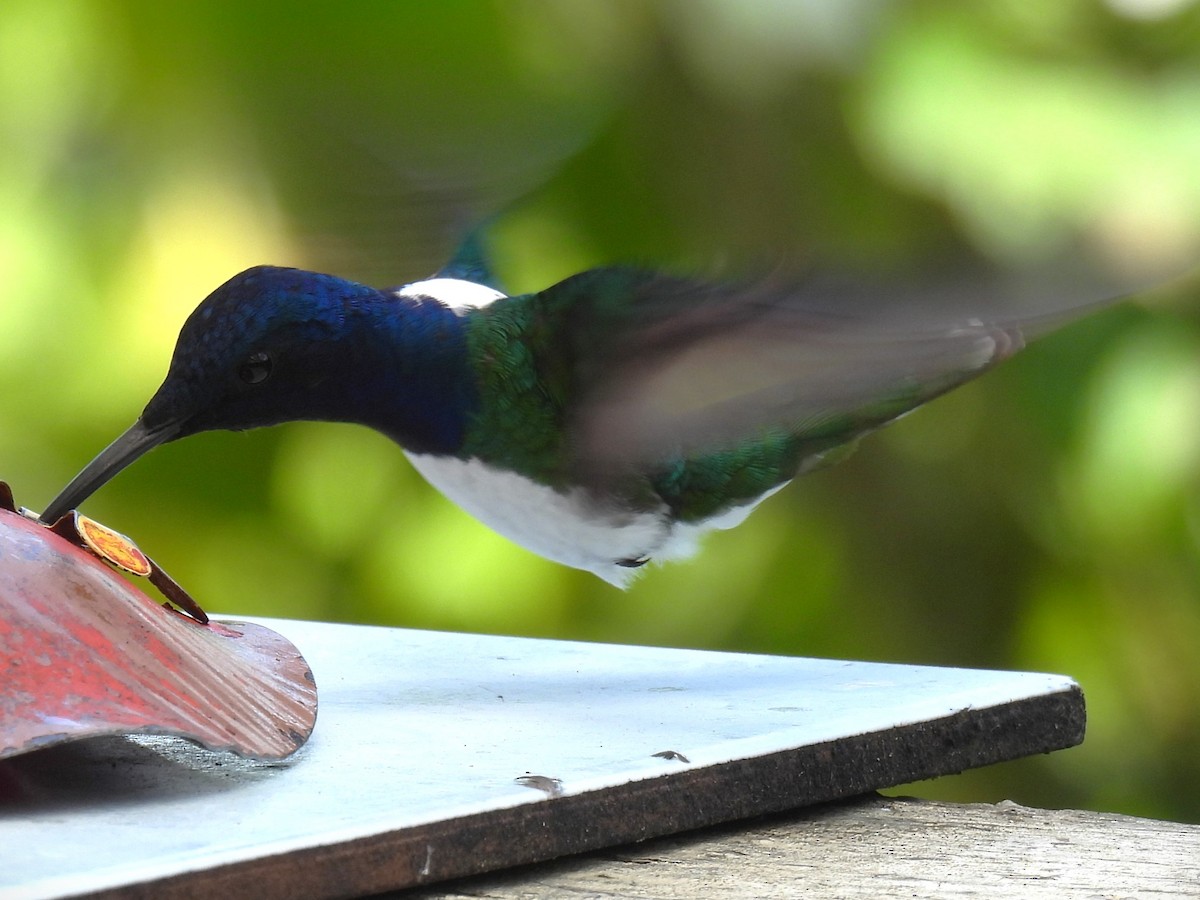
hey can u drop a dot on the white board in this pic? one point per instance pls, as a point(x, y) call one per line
point(437, 755)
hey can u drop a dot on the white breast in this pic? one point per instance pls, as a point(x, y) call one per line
point(568, 527)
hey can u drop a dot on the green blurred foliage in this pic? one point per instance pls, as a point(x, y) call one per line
point(1046, 517)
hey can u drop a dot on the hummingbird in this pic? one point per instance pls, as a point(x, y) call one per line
point(608, 420)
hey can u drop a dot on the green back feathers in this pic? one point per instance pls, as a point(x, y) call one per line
point(535, 355)
point(660, 390)
point(523, 382)
point(539, 356)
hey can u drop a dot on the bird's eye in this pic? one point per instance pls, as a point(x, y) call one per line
point(255, 368)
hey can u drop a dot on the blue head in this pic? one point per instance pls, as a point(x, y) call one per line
point(256, 352)
point(274, 345)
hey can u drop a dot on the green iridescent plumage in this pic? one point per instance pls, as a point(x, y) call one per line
point(544, 361)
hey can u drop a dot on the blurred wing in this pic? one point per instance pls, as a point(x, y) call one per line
point(669, 368)
point(471, 262)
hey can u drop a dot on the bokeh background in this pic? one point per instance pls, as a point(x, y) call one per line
point(1046, 517)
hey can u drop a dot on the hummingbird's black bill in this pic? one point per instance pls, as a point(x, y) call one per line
point(131, 445)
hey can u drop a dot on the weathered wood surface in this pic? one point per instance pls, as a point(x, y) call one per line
point(878, 847)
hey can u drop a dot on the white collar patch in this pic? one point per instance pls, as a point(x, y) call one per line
point(456, 293)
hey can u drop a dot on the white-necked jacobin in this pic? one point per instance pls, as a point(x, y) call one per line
point(606, 421)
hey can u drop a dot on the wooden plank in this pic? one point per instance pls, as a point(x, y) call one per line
point(442, 755)
point(874, 847)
